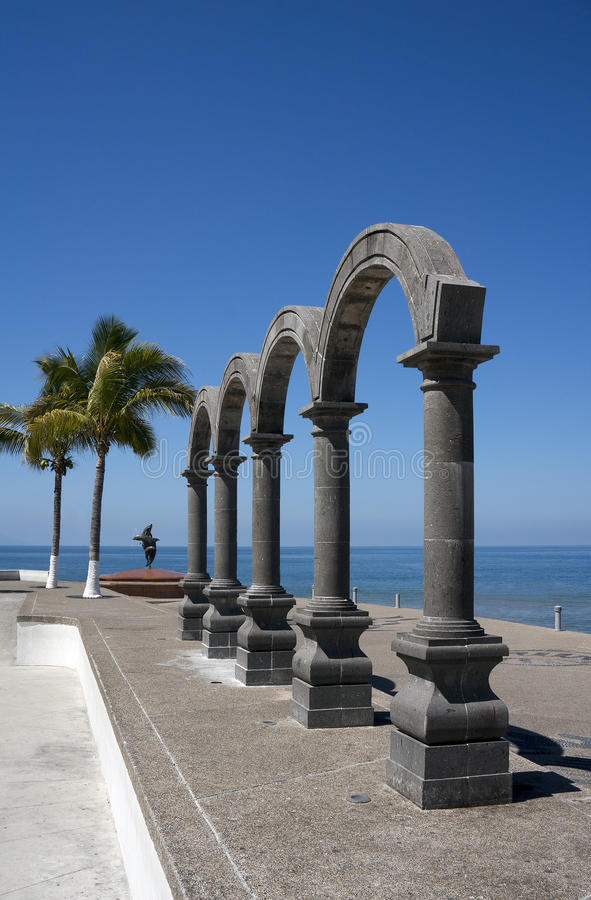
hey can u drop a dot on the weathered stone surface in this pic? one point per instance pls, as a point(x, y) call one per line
point(195, 603)
point(459, 774)
point(224, 617)
point(448, 654)
point(448, 699)
point(330, 657)
point(265, 633)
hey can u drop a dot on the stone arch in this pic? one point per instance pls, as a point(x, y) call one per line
point(444, 304)
point(202, 423)
point(294, 329)
point(238, 384)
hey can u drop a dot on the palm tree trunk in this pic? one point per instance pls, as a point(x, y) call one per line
point(93, 587)
point(55, 537)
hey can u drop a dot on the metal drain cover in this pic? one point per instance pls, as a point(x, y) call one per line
point(358, 798)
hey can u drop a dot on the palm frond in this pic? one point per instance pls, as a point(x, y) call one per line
point(107, 387)
point(13, 416)
point(108, 334)
point(11, 440)
point(56, 432)
point(12, 425)
point(61, 371)
point(134, 432)
point(176, 399)
point(149, 361)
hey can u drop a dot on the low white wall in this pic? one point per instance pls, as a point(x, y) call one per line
point(23, 575)
point(33, 574)
point(46, 644)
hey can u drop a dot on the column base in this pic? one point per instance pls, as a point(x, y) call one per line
point(222, 620)
point(448, 776)
point(331, 705)
point(265, 641)
point(192, 609)
point(332, 675)
point(219, 644)
point(189, 629)
point(263, 666)
point(448, 698)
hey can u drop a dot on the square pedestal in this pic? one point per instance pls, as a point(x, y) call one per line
point(264, 667)
point(331, 705)
point(189, 629)
point(219, 644)
point(446, 776)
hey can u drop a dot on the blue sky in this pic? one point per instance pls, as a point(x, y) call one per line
point(192, 167)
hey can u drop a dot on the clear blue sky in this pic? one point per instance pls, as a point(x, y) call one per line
point(194, 166)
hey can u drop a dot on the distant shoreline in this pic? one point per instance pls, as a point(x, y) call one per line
point(311, 546)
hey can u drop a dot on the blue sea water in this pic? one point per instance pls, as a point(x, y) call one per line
point(520, 584)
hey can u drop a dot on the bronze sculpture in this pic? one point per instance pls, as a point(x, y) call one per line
point(148, 543)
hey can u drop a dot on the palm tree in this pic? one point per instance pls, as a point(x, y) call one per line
point(107, 396)
point(26, 431)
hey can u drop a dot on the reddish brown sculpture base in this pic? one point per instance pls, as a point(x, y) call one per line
point(157, 584)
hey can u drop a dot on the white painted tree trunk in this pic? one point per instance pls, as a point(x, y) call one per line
point(52, 577)
point(92, 588)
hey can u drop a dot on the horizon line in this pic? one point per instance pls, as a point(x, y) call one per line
point(294, 546)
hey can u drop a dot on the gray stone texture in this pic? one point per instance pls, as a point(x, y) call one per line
point(223, 617)
point(265, 639)
point(331, 623)
point(448, 698)
point(449, 775)
point(195, 604)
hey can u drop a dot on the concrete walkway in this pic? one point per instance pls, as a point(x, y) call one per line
point(57, 837)
point(240, 801)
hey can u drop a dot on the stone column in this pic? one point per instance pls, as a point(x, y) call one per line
point(331, 685)
point(265, 640)
point(449, 749)
point(194, 605)
point(224, 617)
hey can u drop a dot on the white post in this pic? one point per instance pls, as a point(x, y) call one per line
point(355, 595)
point(397, 601)
point(557, 618)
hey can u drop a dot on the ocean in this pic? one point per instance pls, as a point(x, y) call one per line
point(520, 584)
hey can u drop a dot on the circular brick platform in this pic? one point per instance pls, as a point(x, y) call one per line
point(157, 584)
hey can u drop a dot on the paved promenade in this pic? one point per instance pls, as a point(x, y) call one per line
point(243, 802)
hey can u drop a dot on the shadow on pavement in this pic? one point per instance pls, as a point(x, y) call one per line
point(544, 751)
point(385, 685)
point(531, 785)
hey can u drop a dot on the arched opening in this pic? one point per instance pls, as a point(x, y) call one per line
point(230, 416)
point(200, 437)
point(297, 489)
point(386, 459)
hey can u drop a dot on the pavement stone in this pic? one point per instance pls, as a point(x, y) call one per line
point(239, 808)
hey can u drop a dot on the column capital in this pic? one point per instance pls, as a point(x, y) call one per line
point(267, 444)
point(332, 414)
point(197, 476)
point(447, 354)
point(225, 462)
